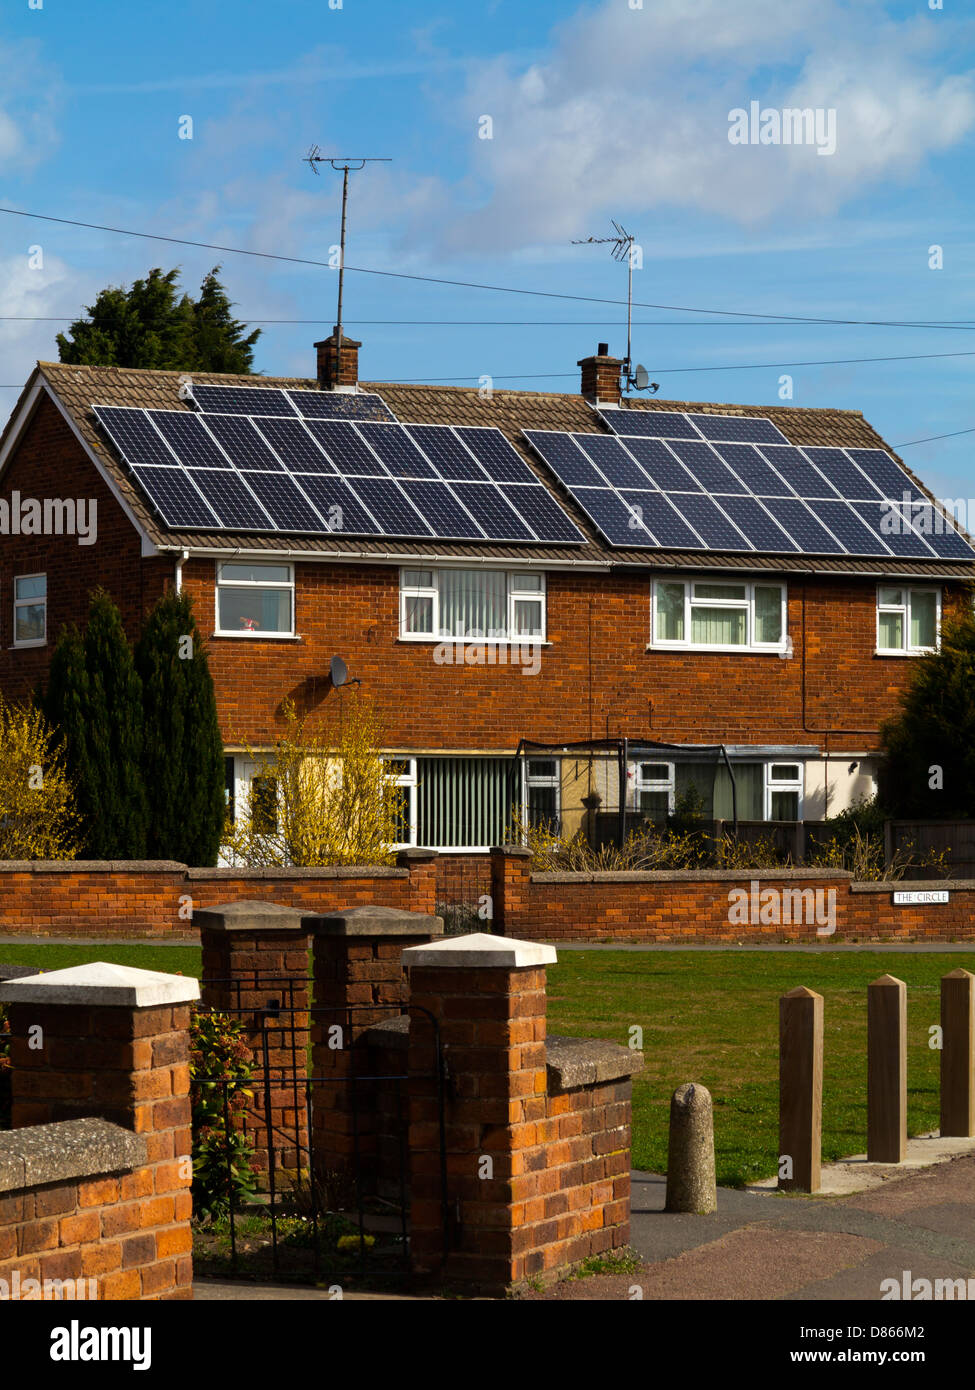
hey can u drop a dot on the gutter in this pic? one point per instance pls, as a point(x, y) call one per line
point(387, 557)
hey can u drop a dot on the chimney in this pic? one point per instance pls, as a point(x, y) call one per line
point(346, 377)
point(601, 376)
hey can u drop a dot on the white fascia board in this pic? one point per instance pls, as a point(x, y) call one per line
point(361, 557)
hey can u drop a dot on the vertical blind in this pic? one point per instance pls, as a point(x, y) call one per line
point(473, 602)
point(464, 802)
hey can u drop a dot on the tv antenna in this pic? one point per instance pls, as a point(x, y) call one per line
point(622, 244)
point(347, 163)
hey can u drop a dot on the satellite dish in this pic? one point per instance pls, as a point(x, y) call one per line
point(338, 671)
point(642, 379)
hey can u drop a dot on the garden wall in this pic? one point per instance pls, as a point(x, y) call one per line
point(720, 905)
point(78, 898)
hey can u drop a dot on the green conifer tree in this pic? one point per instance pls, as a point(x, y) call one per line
point(182, 760)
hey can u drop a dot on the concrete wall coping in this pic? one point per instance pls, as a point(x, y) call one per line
point(694, 876)
point(372, 919)
point(479, 951)
point(40, 1154)
point(915, 885)
point(117, 986)
point(90, 866)
point(574, 1062)
point(251, 915)
point(332, 871)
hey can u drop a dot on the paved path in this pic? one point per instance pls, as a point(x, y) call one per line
point(765, 1246)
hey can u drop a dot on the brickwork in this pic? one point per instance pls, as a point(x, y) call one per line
point(537, 1175)
point(100, 899)
point(129, 1228)
point(688, 907)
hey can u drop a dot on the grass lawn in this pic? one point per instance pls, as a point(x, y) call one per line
point(709, 1017)
point(712, 1018)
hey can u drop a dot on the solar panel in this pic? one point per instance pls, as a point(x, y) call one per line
point(536, 506)
point(338, 505)
point(849, 528)
point(947, 543)
point(241, 442)
point(851, 482)
point(565, 458)
point(708, 469)
point(798, 472)
point(711, 522)
point(489, 446)
point(620, 523)
point(663, 520)
point(189, 439)
point(243, 400)
point(294, 446)
point(391, 508)
point(798, 521)
point(397, 451)
point(894, 532)
point(753, 470)
point(750, 516)
point(347, 449)
point(447, 453)
point(441, 509)
point(658, 461)
point(174, 497)
point(659, 424)
point(133, 434)
point(885, 474)
point(285, 503)
point(611, 458)
point(340, 405)
point(231, 499)
point(738, 428)
point(497, 519)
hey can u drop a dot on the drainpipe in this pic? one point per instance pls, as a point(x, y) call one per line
point(179, 570)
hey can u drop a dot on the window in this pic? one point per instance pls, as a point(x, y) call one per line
point(255, 600)
point(30, 610)
point(402, 771)
point(908, 620)
point(654, 789)
point(543, 793)
point(783, 791)
point(719, 616)
point(264, 804)
point(506, 606)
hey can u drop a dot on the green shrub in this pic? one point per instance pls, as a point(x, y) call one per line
point(221, 1068)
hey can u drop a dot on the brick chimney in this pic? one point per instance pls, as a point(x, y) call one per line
point(601, 376)
point(346, 378)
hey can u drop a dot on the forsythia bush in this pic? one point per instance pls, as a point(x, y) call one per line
point(322, 799)
point(37, 811)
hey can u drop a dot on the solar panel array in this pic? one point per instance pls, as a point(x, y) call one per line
point(270, 400)
point(278, 470)
point(670, 480)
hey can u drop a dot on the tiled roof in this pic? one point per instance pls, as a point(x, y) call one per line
point(79, 388)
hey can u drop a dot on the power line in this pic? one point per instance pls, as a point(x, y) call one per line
point(928, 439)
point(471, 284)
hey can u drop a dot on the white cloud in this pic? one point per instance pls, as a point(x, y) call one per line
point(629, 112)
point(30, 98)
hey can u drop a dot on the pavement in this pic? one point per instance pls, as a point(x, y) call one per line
point(790, 1247)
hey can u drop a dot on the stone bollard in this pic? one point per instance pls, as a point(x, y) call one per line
point(690, 1155)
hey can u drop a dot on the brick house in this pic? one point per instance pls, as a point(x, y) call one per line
point(790, 660)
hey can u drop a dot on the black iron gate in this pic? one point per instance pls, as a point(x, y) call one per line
point(328, 1147)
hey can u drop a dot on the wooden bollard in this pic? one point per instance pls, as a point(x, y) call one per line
point(887, 1070)
point(958, 1055)
point(690, 1154)
point(800, 1089)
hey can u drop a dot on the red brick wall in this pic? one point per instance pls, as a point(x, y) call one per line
point(684, 907)
point(69, 900)
point(50, 462)
point(114, 1230)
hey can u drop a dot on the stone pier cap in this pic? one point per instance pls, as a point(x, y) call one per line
point(480, 951)
point(100, 983)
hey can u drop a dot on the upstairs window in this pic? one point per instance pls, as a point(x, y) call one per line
point(470, 604)
point(30, 610)
point(719, 616)
point(255, 600)
point(908, 620)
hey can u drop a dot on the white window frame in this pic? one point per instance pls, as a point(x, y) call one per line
point(655, 784)
point(797, 784)
point(30, 603)
point(410, 592)
point(746, 604)
point(904, 609)
point(547, 780)
point(259, 635)
point(406, 779)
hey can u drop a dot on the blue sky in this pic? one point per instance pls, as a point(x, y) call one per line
point(611, 109)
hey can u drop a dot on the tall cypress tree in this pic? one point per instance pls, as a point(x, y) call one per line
point(182, 759)
point(94, 700)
